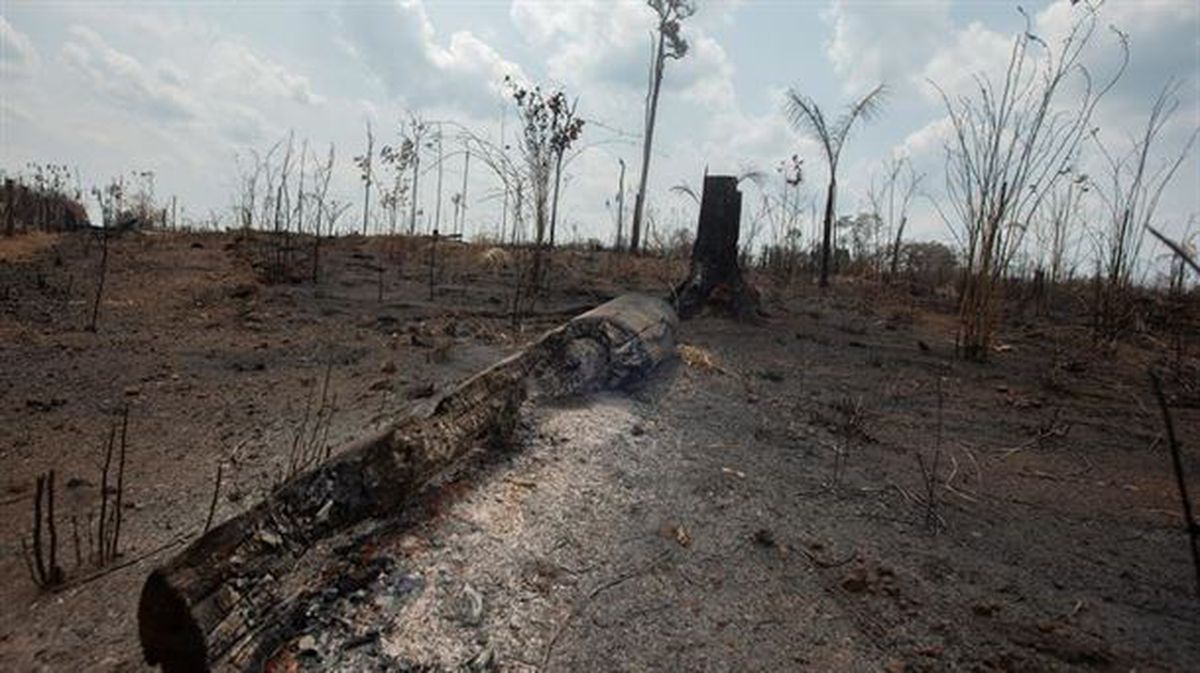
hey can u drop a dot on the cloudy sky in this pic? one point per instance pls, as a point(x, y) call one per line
point(180, 88)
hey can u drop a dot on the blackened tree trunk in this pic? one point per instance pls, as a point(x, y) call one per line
point(216, 603)
point(827, 236)
point(715, 278)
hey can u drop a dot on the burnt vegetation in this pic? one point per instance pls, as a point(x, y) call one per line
point(376, 333)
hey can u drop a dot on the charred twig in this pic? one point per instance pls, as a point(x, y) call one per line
point(311, 435)
point(75, 539)
point(44, 568)
point(100, 282)
point(103, 572)
point(1177, 463)
point(826, 564)
point(116, 537)
point(55, 571)
point(40, 563)
point(212, 506)
point(591, 595)
point(929, 476)
point(102, 538)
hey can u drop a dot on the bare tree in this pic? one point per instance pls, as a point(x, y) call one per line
point(891, 199)
point(805, 115)
point(620, 206)
point(1130, 194)
point(1012, 141)
point(398, 160)
point(668, 44)
point(510, 173)
point(1056, 222)
point(320, 192)
point(363, 162)
point(567, 133)
point(415, 141)
point(549, 127)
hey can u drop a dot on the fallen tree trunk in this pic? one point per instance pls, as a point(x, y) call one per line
point(203, 606)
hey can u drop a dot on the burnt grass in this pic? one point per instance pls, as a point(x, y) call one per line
point(699, 522)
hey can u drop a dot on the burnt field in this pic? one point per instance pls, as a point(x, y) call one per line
point(827, 488)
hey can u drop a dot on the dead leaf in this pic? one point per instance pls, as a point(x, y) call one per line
point(676, 532)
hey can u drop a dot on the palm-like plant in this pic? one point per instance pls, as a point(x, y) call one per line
point(806, 116)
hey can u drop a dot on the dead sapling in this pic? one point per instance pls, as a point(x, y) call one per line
point(1193, 528)
point(929, 471)
point(851, 421)
point(102, 271)
point(43, 567)
point(1044, 434)
point(232, 459)
point(310, 441)
point(108, 525)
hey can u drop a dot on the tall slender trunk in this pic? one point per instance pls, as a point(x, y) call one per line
point(621, 205)
point(895, 263)
point(828, 229)
point(437, 211)
point(462, 197)
point(412, 208)
point(554, 204)
point(639, 204)
point(367, 179)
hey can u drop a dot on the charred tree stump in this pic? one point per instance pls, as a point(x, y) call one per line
point(715, 278)
point(205, 607)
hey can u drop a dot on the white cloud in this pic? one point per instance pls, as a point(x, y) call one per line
point(929, 139)
point(399, 44)
point(18, 56)
point(601, 45)
point(126, 79)
point(972, 51)
point(884, 42)
point(737, 141)
point(236, 69)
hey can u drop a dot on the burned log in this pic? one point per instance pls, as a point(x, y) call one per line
point(205, 606)
point(715, 278)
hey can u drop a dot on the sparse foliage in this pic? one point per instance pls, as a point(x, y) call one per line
point(668, 44)
point(805, 115)
point(1130, 193)
point(1011, 143)
point(549, 127)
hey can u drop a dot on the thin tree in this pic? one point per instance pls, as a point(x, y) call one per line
point(363, 162)
point(549, 127)
point(562, 140)
point(1010, 145)
point(668, 44)
point(806, 116)
point(1130, 194)
point(398, 160)
point(1056, 221)
point(320, 192)
point(891, 200)
point(620, 206)
point(414, 140)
